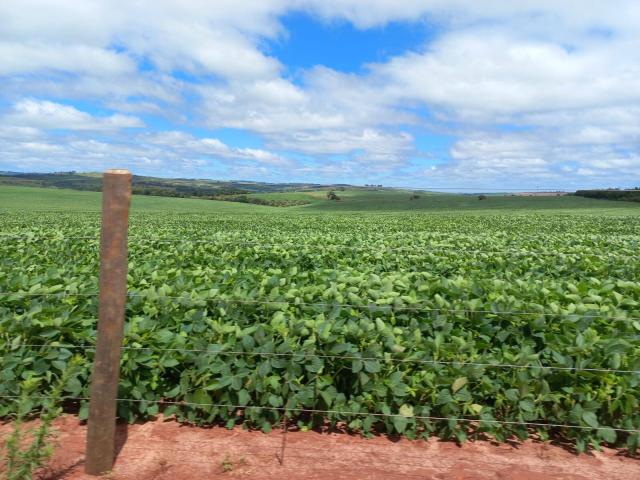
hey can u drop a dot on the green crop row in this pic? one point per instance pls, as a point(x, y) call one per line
point(381, 320)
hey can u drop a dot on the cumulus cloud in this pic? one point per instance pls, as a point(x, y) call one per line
point(162, 154)
point(529, 158)
point(562, 76)
point(504, 76)
point(180, 143)
point(44, 114)
point(538, 17)
point(331, 113)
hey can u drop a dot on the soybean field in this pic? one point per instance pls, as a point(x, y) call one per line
point(507, 323)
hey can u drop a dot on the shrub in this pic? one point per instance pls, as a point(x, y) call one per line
point(27, 452)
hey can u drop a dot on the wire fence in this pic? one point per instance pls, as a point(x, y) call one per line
point(477, 421)
point(352, 357)
point(286, 410)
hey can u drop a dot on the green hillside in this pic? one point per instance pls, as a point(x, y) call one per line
point(391, 200)
point(351, 200)
point(143, 185)
point(49, 199)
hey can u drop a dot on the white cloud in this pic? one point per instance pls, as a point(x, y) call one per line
point(369, 141)
point(530, 159)
point(166, 153)
point(487, 75)
point(555, 18)
point(330, 114)
point(44, 114)
point(181, 143)
point(9, 132)
point(565, 73)
point(27, 58)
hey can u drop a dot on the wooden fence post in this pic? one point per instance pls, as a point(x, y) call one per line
point(116, 197)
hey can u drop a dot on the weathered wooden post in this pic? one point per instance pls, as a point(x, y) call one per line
point(116, 197)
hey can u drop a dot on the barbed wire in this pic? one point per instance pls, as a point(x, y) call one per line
point(460, 363)
point(372, 307)
point(343, 412)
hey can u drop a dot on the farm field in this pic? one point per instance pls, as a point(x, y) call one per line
point(19, 199)
point(516, 322)
point(388, 200)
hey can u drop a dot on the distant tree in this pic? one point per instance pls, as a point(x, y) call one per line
point(331, 195)
point(482, 197)
point(414, 196)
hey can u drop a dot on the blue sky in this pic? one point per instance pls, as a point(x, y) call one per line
point(338, 44)
point(433, 93)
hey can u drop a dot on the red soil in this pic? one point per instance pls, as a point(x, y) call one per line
point(166, 450)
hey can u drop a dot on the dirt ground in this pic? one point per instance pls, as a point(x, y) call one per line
point(164, 450)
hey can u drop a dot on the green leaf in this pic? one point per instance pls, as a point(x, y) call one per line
point(400, 424)
point(173, 392)
point(74, 386)
point(83, 413)
point(170, 362)
point(406, 410)
point(59, 365)
point(170, 410)
point(243, 397)
point(201, 397)
point(527, 405)
point(458, 384)
point(328, 395)
point(315, 365)
point(461, 436)
point(372, 366)
point(590, 419)
point(264, 369)
point(607, 434)
point(512, 394)
point(356, 366)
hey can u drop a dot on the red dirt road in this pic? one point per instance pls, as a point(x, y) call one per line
point(165, 450)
